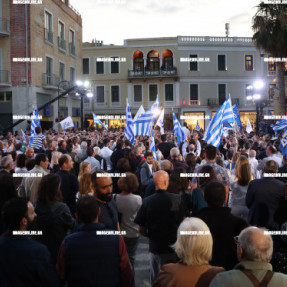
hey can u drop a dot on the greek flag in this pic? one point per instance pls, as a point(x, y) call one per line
point(152, 145)
point(227, 117)
point(98, 122)
point(279, 125)
point(283, 144)
point(24, 135)
point(34, 123)
point(237, 115)
point(197, 126)
point(178, 131)
point(144, 123)
point(129, 125)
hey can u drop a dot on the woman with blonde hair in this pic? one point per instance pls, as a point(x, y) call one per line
point(194, 248)
point(85, 167)
point(239, 187)
point(55, 161)
point(86, 186)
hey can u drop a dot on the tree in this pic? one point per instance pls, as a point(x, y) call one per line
point(270, 34)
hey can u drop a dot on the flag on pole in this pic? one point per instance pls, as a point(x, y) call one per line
point(249, 128)
point(152, 146)
point(143, 124)
point(178, 131)
point(227, 116)
point(67, 123)
point(160, 122)
point(237, 115)
point(98, 122)
point(129, 125)
point(283, 144)
point(24, 135)
point(34, 123)
point(197, 126)
point(279, 125)
point(140, 112)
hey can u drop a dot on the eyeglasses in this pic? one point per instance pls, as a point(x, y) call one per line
point(236, 240)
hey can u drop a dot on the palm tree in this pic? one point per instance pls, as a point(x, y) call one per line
point(270, 34)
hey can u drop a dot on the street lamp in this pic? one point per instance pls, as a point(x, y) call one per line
point(255, 96)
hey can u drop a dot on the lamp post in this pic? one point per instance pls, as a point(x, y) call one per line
point(257, 85)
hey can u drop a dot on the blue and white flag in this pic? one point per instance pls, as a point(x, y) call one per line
point(34, 123)
point(129, 125)
point(144, 123)
point(160, 122)
point(152, 146)
point(227, 116)
point(98, 122)
point(249, 127)
point(214, 130)
point(237, 115)
point(279, 125)
point(283, 144)
point(24, 135)
point(178, 131)
point(197, 126)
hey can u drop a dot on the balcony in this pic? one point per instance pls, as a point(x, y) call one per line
point(194, 102)
point(48, 36)
point(62, 44)
point(271, 73)
point(72, 49)
point(212, 102)
point(50, 82)
point(4, 27)
point(235, 101)
point(152, 74)
point(5, 78)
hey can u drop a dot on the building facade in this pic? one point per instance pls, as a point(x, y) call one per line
point(41, 57)
point(192, 75)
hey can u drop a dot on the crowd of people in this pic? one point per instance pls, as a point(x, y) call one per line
point(73, 206)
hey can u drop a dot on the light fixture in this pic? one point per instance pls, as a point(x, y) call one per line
point(77, 94)
point(79, 83)
point(258, 84)
point(86, 84)
point(256, 96)
point(90, 94)
point(249, 98)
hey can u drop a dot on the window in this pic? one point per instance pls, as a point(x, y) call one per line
point(169, 92)
point(271, 66)
point(72, 76)
point(193, 63)
point(72, 43)
point(48, 27)
point(221, 93)
point(99, 66)
point(86, 66)
point(248, 63)
point(61, 36)
point(193, 94)
point(221, 63)
point(5, 96)
point(152, 93)
point(271, 92)
point(100, 94)
point(115, 65)
point(137, 93)
point(49, 70)
point(115, 94)
point(62, 71)
point(248, 90)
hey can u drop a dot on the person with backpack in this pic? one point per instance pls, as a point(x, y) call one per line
point(254, 251)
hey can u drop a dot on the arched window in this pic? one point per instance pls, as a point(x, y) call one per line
point(138, 61)
point(153, 61)
point(167, 60)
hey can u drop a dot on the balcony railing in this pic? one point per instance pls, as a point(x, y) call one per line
point(5, 78)
point(193, 102)
point(271, 73)
point(149, 73)
point(72, 49)
point(48, 35)
point(61, 43)
point(235, 101)
point(50, 81)
point(212, 102)
point(4, 27)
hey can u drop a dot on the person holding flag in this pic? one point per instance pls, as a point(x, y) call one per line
point(37, 139)
point(98, 122)
point(178, 131)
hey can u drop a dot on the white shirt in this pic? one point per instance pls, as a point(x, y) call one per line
point(186, 132)
point(253, 164)
point(95, 164)
point(274, 157)
point(198, 148)
point(106, 154)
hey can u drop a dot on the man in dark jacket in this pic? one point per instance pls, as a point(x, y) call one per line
point(92, 257)
point(165, 146)
point(69, 183)
point(222, 224)
point(158, 219)
point(23, 261)
point(264, 198)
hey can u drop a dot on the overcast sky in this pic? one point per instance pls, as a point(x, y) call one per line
point(115, 20)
